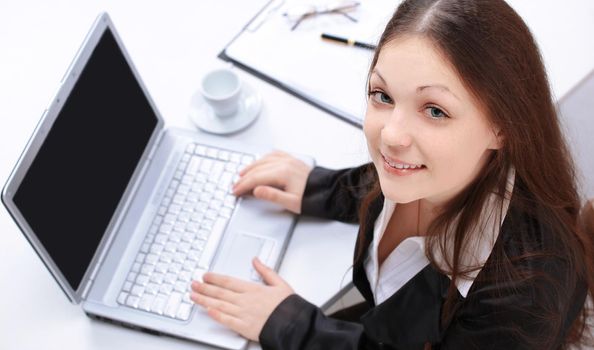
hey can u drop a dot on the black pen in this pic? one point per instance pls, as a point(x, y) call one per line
point(349, 42)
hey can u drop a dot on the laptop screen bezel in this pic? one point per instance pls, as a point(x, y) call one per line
point(101, 24)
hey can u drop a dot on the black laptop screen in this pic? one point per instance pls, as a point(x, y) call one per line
point(81, 171)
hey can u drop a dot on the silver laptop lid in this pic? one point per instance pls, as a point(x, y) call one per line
point(78, 170)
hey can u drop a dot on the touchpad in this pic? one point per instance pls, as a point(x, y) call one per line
point(237, 260)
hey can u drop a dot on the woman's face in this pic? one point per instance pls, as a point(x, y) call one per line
point(426, 134)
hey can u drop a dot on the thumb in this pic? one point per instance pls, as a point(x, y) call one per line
point(282, 198)
point(270, 277)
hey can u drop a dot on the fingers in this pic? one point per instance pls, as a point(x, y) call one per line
point(221, 305)
point(261, 176)
point(282, 198)
point(267, 159)
point(225, 282)
point(269, 275)
point(214, 291)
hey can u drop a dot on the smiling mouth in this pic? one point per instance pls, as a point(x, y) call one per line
point(402, 166)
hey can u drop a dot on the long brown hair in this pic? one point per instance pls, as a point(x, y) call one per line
point(497, 59)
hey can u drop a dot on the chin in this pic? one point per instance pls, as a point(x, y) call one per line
point(398, 196)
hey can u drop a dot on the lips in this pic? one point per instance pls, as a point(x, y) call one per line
point(401, 165)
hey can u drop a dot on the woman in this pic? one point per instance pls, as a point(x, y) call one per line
point(468, 211)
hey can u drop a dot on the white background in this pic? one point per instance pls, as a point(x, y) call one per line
point(172, 45)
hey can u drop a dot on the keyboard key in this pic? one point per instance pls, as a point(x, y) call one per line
point(137, 291)
point(188, 237)
point(190, 148)
point(194, 254)
point(166, 229)
point(216, 171)
point(161, 238)
point(173, 304)
point(149, 267)
point(166, 289)
point(127, 286)
point(136, 267)
point(197, 274)
point(183, 189)
point(166, 257)
point(142, 280)
point(169, 219)
point(140, 257)
point(189, 265)
point(200, 150)
point(170, 278)
point(203, 234)
point(122, 298)
point(183, 217)
point(159, 304)
point(184, 311)
point(179, 257)
point(145, 248)
point(235, 158)
point(162, 267)
point(181, 286)
point(179, 199)
point(247, 159)
point(133, 301)
point(157, 278)
point(151, 259)
point(132, 276)
point(157, 249)
point(175, 268)
point(223, 155)
point(212, 243)
point(146, 301)
point(175, 209)
point(185, 276)
point(151, 288)
point(197, 217)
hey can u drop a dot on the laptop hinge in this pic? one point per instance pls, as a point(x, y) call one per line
point(89, 282)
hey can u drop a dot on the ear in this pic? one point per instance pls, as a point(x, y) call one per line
point(498, 140)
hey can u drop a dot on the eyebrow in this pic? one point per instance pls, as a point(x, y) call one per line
point(420, 88)
point(437, 86)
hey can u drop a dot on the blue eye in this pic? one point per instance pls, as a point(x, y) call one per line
point(436, 113)
point(380, 97)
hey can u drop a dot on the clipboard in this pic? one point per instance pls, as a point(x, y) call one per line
point(329, 76)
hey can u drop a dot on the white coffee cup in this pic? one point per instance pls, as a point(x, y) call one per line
point(221, 88)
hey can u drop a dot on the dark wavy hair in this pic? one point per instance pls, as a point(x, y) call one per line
point(497, 59)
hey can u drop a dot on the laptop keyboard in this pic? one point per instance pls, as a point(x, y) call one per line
point(186, 231)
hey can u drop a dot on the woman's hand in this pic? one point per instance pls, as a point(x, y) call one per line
point(240, 305)
point(278, 178)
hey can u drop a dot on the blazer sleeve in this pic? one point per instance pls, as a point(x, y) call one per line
point(297, 324)
point(336, 194)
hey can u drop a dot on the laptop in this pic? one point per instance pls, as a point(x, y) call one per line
point(125, 213)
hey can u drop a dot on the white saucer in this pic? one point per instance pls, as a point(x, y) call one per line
point(204, 117)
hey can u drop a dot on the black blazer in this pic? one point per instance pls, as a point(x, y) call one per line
point(488, 318)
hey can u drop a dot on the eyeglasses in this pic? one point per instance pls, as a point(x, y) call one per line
point(298, 14)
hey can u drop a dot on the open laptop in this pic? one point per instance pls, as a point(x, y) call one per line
point(125, 213)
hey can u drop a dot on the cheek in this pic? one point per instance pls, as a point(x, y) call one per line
point(372, 127)
point(455, 160)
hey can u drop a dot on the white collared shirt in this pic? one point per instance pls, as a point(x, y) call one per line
point(409, 258)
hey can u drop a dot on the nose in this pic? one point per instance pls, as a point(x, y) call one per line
point(397, 132)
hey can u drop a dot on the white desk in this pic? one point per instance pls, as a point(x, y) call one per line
point(172, 45)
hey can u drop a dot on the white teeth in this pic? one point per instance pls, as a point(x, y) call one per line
point(402, 166)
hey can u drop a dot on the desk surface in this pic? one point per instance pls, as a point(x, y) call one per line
point(172, 46)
